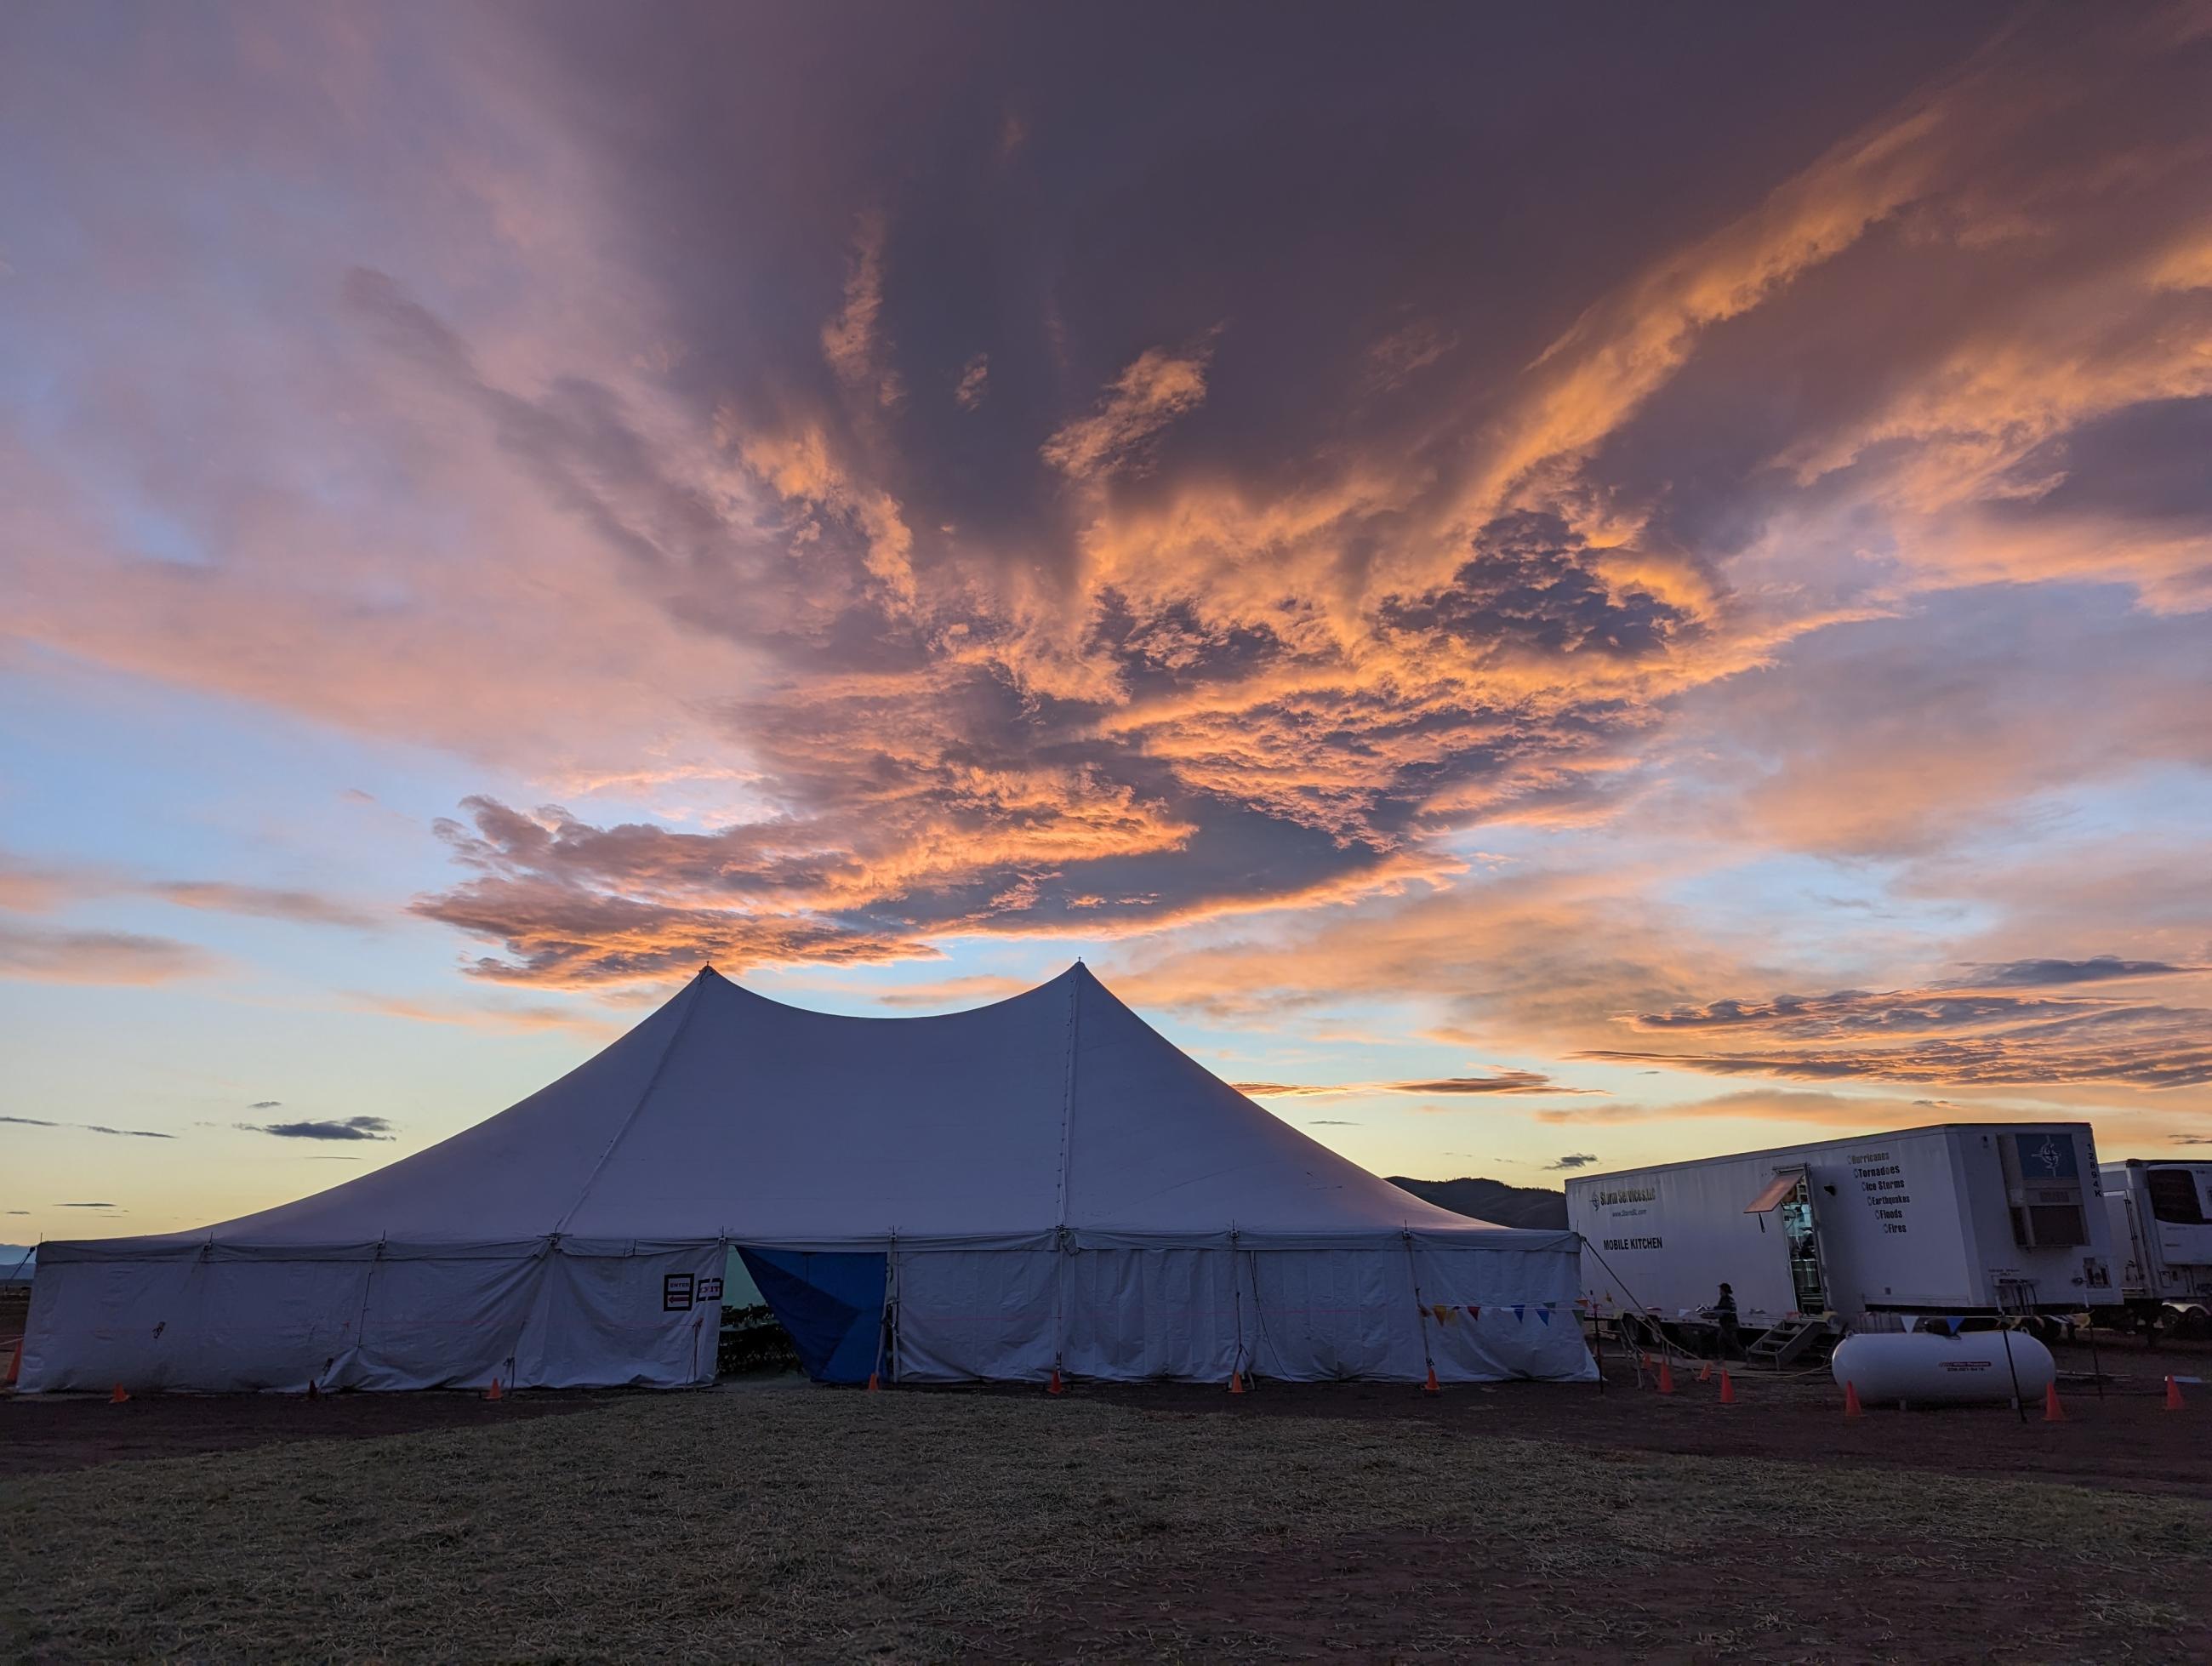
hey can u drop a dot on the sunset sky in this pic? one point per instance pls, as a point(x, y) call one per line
point(1575, 587)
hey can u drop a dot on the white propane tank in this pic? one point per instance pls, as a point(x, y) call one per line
point(1928, 1368)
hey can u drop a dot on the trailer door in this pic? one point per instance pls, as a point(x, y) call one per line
point(1790, 1196)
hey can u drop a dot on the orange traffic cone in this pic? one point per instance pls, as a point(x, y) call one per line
point(1706, 1373)
point(1666, 1375)
point(1851, 1401)
point(1728, 1390)
point(313, 1393)
point(1235, 1381)
point(2172, 1390)
point(1429, 1388)
point(120, 1394)
point(493, 1392)
point(1053, 1386)
point(875, 1382)
point(2052, 1411)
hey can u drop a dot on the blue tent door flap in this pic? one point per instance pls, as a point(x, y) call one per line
point(831, 1304)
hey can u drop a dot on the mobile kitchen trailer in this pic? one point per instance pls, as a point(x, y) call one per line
point(1958, 1220)
point(2161, 1217)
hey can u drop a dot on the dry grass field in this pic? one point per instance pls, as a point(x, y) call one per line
point(777, 1524)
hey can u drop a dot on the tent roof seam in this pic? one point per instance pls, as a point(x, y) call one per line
point(668, 1051)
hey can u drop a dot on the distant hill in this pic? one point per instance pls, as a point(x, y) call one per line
point(17, 1260)
point(1492, 1201)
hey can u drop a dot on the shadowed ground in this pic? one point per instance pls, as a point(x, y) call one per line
point(780, 1522)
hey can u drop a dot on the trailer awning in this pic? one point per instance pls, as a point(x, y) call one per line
point(1778, 1188)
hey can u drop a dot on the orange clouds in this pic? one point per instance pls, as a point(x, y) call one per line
point(1988, 1042)
point(52, 956)
point(268, 902)
point(1827, 1111)
point(1570, 593)
point(852, 341)
point(1157, 387)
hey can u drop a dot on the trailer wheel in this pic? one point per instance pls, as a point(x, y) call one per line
point(1642, 1332)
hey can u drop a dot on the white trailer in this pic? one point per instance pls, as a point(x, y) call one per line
point(2161, 1218)
point(1957, 1220)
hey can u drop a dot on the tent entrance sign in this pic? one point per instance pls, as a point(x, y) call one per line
point(1044, 1184)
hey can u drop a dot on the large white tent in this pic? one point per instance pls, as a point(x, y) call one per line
point(1044, 1183)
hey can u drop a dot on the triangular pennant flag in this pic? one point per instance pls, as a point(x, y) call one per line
point(1474, 1313)
point(1545, 1314)
point(1443, 1313)
point(1520, 1309)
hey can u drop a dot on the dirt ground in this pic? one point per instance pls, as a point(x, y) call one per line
point(42, 1433)
point(773, 1520)
point(2122, 1437)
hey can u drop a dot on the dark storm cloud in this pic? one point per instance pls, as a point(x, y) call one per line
point(2097, 968)
point(348, 1128)
point(2142, 464)
point(1528, 586)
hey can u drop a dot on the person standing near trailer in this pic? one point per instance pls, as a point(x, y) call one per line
point(1724, 1316)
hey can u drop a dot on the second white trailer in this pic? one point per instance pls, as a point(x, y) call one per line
point(2161, 1217)
point(1956, 1219)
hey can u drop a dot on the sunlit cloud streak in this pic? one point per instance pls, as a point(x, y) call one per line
point(267, 902)
point(50, 954)
point(2151, 1047)
point(1506, 1081)
point(88, 1127)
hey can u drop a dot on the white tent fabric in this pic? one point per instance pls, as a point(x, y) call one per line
point(1041, 1183)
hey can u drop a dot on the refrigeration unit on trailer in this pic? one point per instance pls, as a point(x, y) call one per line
point(1960, 1220)
point(2160, 1216)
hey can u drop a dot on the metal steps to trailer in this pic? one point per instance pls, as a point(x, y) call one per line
point(1780, 1345)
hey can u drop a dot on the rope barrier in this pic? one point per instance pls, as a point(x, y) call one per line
point(1638, 1309)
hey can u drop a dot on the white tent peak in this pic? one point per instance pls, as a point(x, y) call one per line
point(1077, 974)
point(727, 1115)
